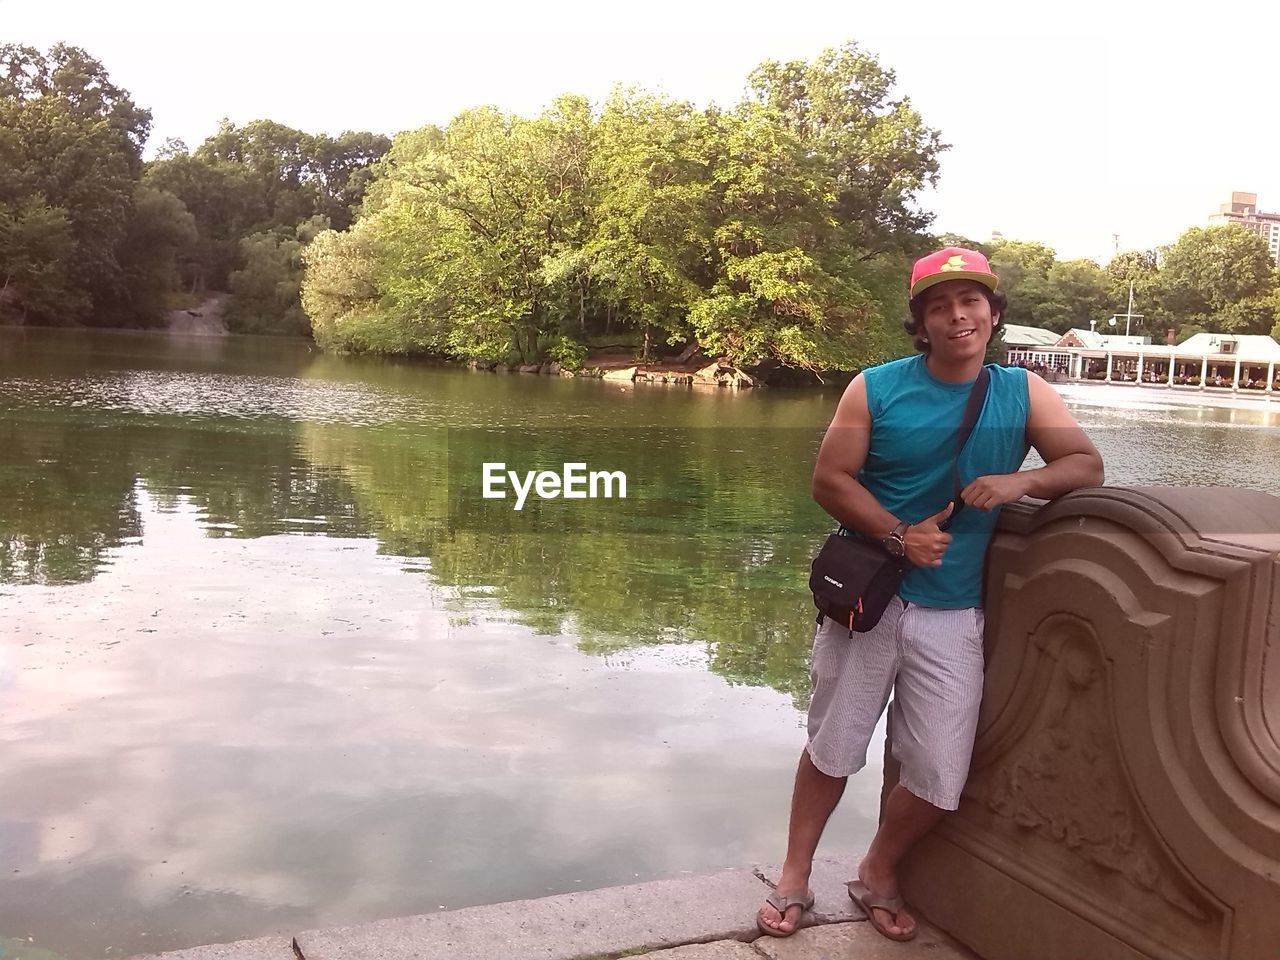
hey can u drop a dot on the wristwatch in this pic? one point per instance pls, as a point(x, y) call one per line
point(894, 542)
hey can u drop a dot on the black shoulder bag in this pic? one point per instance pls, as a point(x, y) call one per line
point(853, 578)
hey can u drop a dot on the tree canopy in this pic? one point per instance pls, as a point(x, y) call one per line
point(262, 180)
point(778, 229)
point(775, 229)
point(1218, 278)
point(90, 234)
point(70, 155)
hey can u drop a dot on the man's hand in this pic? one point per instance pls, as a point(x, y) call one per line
point(924, 543)
point(995, 489)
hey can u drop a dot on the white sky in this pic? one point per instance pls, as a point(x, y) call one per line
point(1068, 123)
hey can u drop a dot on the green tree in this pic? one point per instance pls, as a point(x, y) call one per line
point(342, 168)
point(786, 282)
point(220, 198)
point(1219, 277)
point(276, 159)
point(259, 193)
point(159, 232)
point(479, 230)
point(71, 142)
point(1139, 271)
point(265, 292)
point(1137, 267)
point(341, 295)
point(80, 85)
point(1023, 268)
point(37, 248)
point(776, 231)
point(877, 149)
point(296, 175)
point(646, 256)
point(1076, 291)
point(1274, 302)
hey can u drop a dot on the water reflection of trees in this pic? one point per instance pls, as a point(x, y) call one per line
point(58, 518)
point(253, 483)
point(711, 547)
point(69, 488)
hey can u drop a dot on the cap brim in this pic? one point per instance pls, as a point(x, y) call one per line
point(988, 280)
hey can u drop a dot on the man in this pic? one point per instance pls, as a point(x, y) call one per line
point(886, 469)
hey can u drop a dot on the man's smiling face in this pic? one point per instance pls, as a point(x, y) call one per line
point(957, 319)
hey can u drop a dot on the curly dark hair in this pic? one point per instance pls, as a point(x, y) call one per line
point(995, 298)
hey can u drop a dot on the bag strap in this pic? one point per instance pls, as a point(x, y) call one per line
point(972, 407)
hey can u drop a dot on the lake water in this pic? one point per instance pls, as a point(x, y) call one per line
point(269, 661)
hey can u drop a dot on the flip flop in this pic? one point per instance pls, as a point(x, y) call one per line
point(781, 903)
point(870, 902)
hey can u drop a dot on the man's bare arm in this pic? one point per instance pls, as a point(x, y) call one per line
point(1070, 458)
point(841, 456)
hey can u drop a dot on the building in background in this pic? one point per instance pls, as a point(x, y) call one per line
point(1207, 361)
point(1243, 209)
point(1028, 346)
point(1035, 348)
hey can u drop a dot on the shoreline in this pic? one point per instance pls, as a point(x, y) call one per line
point(707, 916)
point(616, 369)
point(1157, 396)
point(620, 368)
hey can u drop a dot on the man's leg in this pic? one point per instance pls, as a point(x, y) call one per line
point(934, 718)
point(906, 819)
point(851, 679)
point(812, 802)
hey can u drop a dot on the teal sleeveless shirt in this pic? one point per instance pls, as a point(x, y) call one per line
point(914, 419)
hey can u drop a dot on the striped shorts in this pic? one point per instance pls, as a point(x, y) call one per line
point(932, 661)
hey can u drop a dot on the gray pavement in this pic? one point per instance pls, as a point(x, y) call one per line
point(705, 917)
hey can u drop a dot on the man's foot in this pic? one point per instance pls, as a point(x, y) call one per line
point(780, 914)
point(877, 893)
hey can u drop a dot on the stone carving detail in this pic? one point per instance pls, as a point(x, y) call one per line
point(1124, 797)
point(1065, 783)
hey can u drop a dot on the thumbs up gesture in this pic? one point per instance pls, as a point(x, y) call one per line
point(924, 543)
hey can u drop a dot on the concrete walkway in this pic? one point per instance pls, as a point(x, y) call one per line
point(707, 917)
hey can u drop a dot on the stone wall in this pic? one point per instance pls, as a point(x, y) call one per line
point(1124, 797)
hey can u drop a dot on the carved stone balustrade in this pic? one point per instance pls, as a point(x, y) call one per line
point(1124, 797)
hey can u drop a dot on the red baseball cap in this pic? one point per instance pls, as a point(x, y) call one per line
point(951, 263)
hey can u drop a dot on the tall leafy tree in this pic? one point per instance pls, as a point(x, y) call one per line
point(773, 231)
point(785, 283)
point(878, 150)
point(159, 232)
point(340, 294)
point(220, 196)
point(37, 248)
point(480, 227)
point(1219, 277)
point(1274, 301)
point(1076, 291)
point(342, 168)
point(1139, 271)
point(72, 145)
point(646, 257)
point(266, 290)
point(1023, 267)
point(251, 190)
point(275, 157)
point(295, 175)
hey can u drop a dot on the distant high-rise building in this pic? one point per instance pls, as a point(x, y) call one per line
point(1243, 209)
